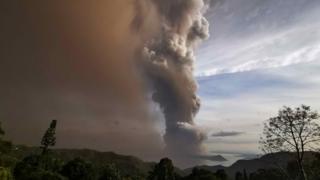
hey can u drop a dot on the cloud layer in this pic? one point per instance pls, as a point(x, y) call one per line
point(227, 134)
point(261, 55)
point(256, 35)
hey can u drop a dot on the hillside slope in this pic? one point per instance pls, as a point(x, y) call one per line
point(268, 161)
point(128, 164)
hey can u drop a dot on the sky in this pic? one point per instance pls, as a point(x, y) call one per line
point(261, 56)
point(77, 63)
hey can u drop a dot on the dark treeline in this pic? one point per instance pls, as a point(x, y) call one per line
point(45, 163)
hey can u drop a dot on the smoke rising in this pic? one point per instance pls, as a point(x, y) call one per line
point(169, 62)
point(73, 61)
point(91, 65)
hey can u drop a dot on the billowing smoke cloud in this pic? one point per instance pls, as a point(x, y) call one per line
point(168, 60)
point(74, 61)
point(92, 64)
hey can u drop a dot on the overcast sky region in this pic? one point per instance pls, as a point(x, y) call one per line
point(261, 55)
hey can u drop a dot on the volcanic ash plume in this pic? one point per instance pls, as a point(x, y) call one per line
point(168, 61)
point(77, 61)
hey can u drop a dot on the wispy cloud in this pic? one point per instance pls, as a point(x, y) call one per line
point(253, 98)
point(261, 55)
point(215, 158)
point(227, 133)
point(242, 155)
point(251, 35)
point(286, 48)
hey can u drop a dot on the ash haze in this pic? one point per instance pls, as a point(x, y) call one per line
point(108, 71)
point(125, 75)
point(73, 61)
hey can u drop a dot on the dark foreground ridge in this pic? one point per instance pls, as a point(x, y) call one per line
point(133, 166)
point(128, 164)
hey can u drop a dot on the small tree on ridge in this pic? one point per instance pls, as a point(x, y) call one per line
point(49, 138)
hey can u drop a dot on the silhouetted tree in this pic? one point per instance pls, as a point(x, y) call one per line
point(47, 175)
point(164, 170)
point(292, 169)
point(34, 167)
point(110, 172)
point(27, 168)
point(295, 130)
point(201, 174)
point(7, 161)
point(270, 174)
point(5, 174)
point(78, 169)
point(2, 133)
point(5, 146)
point(221, 174)
point(133, 177)
point(44, 166)
point(245, 176)
point(313, 168)
point(238, 176)
point(49, 138)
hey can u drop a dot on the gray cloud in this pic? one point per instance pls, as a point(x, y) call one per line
point(214, 158)
point(227, 133)
point(92, 65)
point(237, 154)
point(168, 65)
point(248, 156)
point(74, 62)
point(255, 34)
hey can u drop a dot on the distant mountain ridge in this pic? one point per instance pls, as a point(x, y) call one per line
point(134, 165)
point(268, 161)
point(131, 164)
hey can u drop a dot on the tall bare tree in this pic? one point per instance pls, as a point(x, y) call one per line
point(292, 130)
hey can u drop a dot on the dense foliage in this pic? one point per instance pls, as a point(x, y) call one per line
point(163, 171)
point(21, 163)
point(78, 169)
point(202, 174)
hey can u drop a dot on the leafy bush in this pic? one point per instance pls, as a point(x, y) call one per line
point(110, 172)
point(201, 174)
point(5, 174)
point(78, 169)
point(35, 167)
point(270, 174)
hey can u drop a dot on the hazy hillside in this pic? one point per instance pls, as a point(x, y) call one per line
point(130, 164)
point(265, 162)
point(134, 165)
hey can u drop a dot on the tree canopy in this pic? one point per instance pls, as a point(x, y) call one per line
point(49, 138)
point(294, 130)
